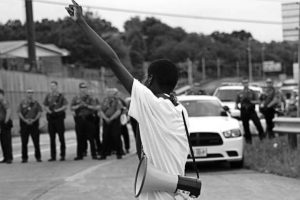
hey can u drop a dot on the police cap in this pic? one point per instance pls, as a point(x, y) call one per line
point(29, 90)
point(82, 85)
point(269, 80)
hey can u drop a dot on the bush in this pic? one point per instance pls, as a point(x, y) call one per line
point(273, 156)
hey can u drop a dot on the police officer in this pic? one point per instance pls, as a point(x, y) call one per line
point(110, 113)
point(270, 100)
point(30, 112)
point(5, 129)
point(55, 105)
point(247, 100)
point(84, 106)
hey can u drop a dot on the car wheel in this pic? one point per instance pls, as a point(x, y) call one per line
point(237, 164)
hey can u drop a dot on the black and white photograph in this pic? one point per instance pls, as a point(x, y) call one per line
point(149, 99)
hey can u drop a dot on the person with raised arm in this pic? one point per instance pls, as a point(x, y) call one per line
point(153, 105)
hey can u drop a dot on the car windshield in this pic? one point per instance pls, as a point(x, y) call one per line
point(227, 95)
point(230, 95)
point(202, 108)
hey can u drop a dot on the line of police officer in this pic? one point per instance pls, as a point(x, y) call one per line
point(87, 124)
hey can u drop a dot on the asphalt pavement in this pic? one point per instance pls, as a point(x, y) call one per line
point(113, 179)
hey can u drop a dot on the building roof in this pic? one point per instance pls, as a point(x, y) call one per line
point(18, 48)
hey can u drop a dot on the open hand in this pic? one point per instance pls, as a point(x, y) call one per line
point(75, 11)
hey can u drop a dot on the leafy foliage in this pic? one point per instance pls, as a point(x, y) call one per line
point(149, 39)
point(273, 156)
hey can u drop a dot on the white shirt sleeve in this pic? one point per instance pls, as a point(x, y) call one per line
point(142, 100)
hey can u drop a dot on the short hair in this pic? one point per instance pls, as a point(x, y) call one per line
point(165, 73)
point(29, 90)
point(2, 91)
point(54, 82)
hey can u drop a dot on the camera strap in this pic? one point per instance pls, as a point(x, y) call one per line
point(175, 102)
point(190, 145)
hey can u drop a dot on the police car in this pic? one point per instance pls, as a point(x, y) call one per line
point(214, 134)
point(228, 93)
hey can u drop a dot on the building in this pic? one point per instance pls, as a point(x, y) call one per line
point(14, 56)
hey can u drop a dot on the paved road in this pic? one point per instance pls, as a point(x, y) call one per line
point(113, 179)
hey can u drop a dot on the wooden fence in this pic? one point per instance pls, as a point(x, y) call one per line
point(15, 85)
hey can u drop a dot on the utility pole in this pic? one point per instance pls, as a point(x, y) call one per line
point(237, 68)
point(102, 79)
point(218, 68)
point(203, 68)
point(190, 71)
point(263, 60)
point(249, 61)
point(298, 111)
point(30, 35)
point(292, 138)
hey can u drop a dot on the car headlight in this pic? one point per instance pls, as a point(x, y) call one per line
point(232, 133)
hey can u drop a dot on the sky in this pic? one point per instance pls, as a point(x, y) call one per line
point(243, 10)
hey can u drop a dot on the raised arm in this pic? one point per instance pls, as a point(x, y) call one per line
point(107, 53)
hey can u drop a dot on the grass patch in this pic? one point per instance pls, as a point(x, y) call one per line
point(265, 156)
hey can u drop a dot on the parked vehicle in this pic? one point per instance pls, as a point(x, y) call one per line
point(215, 135)
point(228, 93)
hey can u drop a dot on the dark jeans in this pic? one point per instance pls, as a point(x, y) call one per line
point(33, 131)
point(85, 132)
point(112, 137)
point(6, 142)
point(97, 135)
point(134, 125)
point(125, 135)
point(79, 138)
point(57, 126)
point(246, 116)
point(269, 114)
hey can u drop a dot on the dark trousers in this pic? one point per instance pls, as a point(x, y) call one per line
point(97, 135)
point(57, 126)
point(6, 142)
point(85, 132)
point(125, 135)
point(33, 131)
point(112, 137)
point(269, 114)
point(134, 125)
point(246, 116)
point(78, 137)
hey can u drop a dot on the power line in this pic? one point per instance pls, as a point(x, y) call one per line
point(168, 14)
point(273, 1)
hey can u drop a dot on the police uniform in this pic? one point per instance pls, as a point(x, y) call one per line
point(56, 122)
point(29, 111)
point(97, 132)
point(124, 130)
point(85, 123)
point(5, 133)
point(111, 131)
point(269, 112)
point(248, 112)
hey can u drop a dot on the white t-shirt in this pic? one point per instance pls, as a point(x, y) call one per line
point(162, 133)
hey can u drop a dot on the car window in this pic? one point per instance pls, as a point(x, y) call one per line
point(230, 95)
point(227, 95)
point(202, 108)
